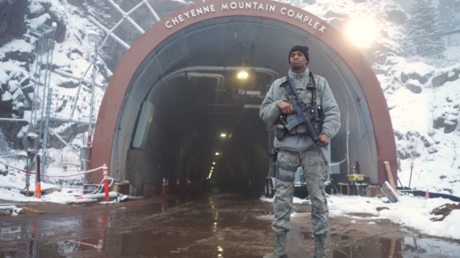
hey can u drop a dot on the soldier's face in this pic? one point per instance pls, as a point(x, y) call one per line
point(298, 60)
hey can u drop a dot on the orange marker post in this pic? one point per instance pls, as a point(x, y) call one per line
point(106, 182)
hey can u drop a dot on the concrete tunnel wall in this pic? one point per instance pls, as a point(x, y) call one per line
point(232, 38)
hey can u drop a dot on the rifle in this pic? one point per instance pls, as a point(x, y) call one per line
point(307, 114)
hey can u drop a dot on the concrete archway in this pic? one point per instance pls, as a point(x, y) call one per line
point(211, 40)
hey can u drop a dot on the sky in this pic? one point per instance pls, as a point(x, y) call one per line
point(412, 116)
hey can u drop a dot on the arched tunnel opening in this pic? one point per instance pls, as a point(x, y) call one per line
point(185, 95)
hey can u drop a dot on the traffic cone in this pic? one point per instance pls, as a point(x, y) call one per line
point(427, 195)
point(164, 186)
point(38, 191)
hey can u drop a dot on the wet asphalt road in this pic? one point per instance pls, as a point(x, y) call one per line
point(210, 225)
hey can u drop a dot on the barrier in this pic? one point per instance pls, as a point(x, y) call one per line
point(38, 190)
point(106, 182)
point(59, 176)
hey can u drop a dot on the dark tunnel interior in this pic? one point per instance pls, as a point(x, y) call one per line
point(210, 121)
point(191, 81)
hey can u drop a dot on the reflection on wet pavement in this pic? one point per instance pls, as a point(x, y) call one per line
point(225, 225)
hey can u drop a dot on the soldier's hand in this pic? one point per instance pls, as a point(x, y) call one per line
point(324, 139)
point(285, 107)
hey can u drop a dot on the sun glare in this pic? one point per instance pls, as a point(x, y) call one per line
point(361, 32)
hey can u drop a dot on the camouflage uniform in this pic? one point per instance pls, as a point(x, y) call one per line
point(315, 173)
point(297, 149)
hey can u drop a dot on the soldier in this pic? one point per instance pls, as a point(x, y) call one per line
point(296, 148)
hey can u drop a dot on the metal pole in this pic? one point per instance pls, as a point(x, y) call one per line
point(27, 176)
point(364, 91)
point(45, 129)
point(90, 126)
point(348, 152)
point(411, 169)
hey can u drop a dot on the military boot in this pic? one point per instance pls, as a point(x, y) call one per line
point(280, 248)
point(320, 246)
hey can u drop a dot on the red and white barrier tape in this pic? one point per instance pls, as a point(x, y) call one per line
point(33, 173)
point(18, 169)
point(82, 173)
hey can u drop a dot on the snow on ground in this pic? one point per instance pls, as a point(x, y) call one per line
point(61, 196)
point(413, 212)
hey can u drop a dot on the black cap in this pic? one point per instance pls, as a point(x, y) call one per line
point(303, 49)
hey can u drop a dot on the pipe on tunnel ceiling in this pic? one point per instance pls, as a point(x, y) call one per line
point(194, 70)
point(219, 77)
point(270, 72)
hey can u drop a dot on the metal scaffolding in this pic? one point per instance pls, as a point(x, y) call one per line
point(45, 47)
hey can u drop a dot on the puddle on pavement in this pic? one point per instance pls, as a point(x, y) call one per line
point(34, 230)
point(214, 230)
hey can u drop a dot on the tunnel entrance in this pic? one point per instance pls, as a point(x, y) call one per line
point(177, 90)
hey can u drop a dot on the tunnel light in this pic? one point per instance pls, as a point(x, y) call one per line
point(217, 153)
point(243, 75)
point(214, 163)
point(360, 32)
point(223, 135)
point(210, 175)
point(212, 168)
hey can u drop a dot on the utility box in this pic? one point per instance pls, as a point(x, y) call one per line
point(83, 153)
point(30, 140)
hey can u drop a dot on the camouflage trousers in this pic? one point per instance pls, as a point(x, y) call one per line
point(315, 174)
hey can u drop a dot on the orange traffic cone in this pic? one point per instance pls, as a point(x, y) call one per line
point(427, 195)
point(38, 191)
point(164, 186)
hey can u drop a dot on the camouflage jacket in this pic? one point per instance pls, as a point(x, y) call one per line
point(270, 111)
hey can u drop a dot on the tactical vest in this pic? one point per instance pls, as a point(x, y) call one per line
point(306, 96)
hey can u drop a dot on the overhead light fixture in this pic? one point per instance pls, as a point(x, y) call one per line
point(214, 163)
point(223, 135)
point(243, 75)
point(212, 168)
point(217, 153)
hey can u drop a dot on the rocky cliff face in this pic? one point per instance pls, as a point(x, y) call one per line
point(12, 22)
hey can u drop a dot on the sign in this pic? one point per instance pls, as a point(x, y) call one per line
point(286, 11)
